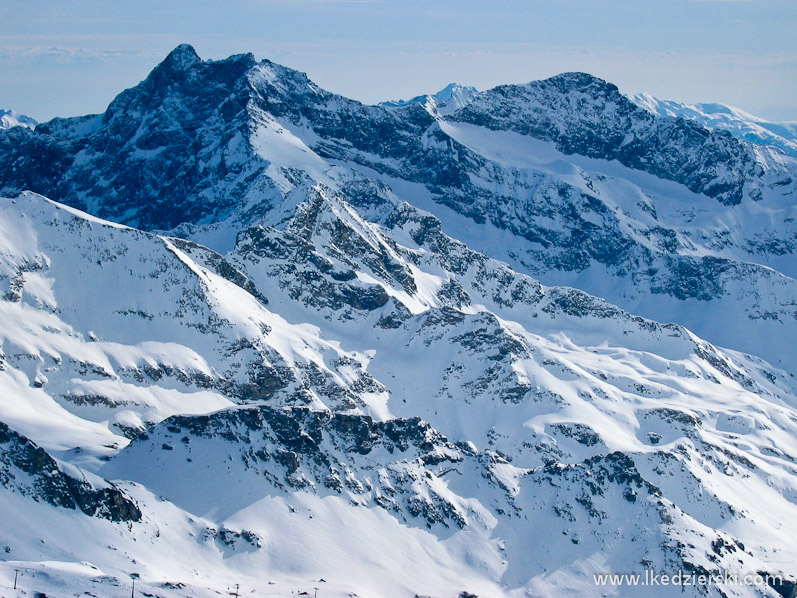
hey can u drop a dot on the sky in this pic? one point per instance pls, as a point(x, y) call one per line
point(72, 57)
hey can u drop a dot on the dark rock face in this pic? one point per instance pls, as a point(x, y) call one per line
point(28, 469)
point(391, 464)
point(586, 115)
point(303, 431)
point(177, 136)
point(594, 477)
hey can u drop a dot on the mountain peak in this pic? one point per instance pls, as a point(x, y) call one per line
point(451, 89)
point(449, 99)
point(195, 84)
point(182, 57)
point(567, 82)
point(11, 118)
point(174, 68)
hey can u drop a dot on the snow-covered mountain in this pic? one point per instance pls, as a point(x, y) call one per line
point(565, 179)
point(304, 375)
point(460, 419)
point(737, 122)
point(10, 118)
point(449, 99)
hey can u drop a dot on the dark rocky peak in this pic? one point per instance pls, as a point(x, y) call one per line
point(582, 82)
point(165, 151)
point(586, 98)
point(182, 57)
point(184, 78)
point(585, 115)
point(551, 107)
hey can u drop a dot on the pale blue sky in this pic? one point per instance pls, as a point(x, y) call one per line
point(63, 58)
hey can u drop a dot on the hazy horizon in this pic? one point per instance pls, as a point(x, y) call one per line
point(72, 59)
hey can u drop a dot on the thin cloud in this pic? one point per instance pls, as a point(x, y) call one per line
point(19, 52)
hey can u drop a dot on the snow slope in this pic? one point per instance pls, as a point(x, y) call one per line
point(110, 350)
point(550, 414)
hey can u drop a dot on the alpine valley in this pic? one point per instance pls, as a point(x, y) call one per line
point(260, 339)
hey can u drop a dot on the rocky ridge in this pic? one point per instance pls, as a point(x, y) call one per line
point(205, 149)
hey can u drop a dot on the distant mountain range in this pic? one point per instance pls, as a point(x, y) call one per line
point(738, 123)
point(256, 336)
point(449, 99)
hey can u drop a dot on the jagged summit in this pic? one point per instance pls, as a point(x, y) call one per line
point(183, 76)
point(184, 57)
point(181, 57)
